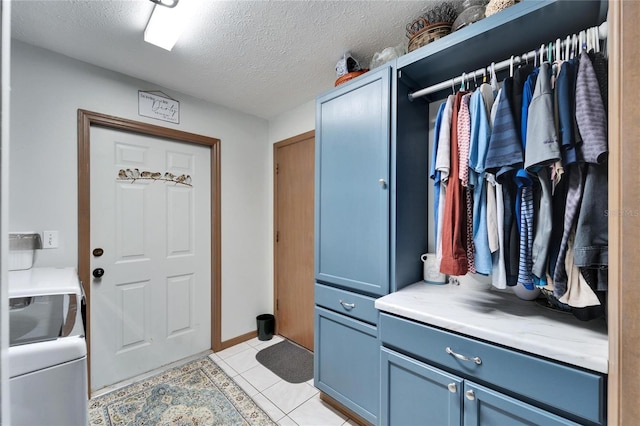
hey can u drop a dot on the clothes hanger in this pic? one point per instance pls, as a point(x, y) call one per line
point(558, 50)
point(462, 86)
point(567, 48)
point(541, 54)
point(494, 77)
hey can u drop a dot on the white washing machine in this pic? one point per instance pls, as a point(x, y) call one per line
point(48, 351)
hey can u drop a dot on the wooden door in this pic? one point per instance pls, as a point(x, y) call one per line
point(293, 225)
point(150, 234)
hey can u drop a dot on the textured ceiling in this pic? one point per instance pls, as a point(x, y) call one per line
point(258, 57)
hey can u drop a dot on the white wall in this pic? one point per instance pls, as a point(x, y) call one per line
point(292, 123)
point(46, 91)
point(5, 52)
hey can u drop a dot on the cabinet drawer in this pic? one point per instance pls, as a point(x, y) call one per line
point(347, 303)
point(572, 392)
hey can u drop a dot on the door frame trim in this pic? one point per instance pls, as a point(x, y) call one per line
point(86, 119)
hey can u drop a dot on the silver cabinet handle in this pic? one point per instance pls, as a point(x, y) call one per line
point(475, 359)
point(347, 306)
point(470, 395)
point(452, 387)
point(383, 183)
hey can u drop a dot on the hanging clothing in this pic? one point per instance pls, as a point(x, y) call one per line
point(454, 253)
point(565, 98)
point(494, 196)
point(542, 150)
point(479, 144)
point(464, 141)
point(443, 165)
point(591, 249)
point(504, 157)
point(435, 174)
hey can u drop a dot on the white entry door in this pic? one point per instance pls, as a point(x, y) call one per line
point(151, 237)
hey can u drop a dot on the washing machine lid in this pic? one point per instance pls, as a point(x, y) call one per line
point(43, 281)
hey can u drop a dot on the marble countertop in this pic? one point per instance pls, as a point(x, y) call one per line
point(498, 316)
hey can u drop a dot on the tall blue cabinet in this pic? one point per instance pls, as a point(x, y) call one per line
point(371, 186)
point(371, 215)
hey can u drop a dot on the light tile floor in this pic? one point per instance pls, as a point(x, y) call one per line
point(285, 403)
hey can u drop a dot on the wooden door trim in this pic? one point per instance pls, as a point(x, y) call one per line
point(295, 139)
point(86, 119)
point(624, 220)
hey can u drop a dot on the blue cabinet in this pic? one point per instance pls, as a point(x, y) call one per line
point(483, 406)
point(415, 393)
point(352, 185)
point(346, 362)
point(370, 227)
point(433, 376)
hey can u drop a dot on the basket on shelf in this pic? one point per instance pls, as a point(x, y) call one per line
point(428, 34)
point(433, 24)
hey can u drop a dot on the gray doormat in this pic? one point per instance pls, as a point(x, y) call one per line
point(289, 361)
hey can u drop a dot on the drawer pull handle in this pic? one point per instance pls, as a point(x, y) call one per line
point(475, 359)
point(347, 306)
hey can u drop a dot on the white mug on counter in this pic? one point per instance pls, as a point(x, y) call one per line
point(431, 271)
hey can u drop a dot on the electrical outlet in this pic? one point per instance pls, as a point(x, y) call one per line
point(49, 239)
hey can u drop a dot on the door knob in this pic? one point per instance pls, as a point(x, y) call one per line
point(98, 272)
point(452, 387)
point(97, 252)
point(470, 394)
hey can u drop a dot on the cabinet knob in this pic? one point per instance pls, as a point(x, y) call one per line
point(452, 387)
point(383, 183)
point(470, 395)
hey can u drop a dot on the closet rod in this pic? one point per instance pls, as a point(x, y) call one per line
point(498, 66)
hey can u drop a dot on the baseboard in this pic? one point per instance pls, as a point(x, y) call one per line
point(243, 338)
point(344, 410)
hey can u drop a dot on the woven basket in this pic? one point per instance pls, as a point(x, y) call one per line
point(349, 76)
point(428, 34)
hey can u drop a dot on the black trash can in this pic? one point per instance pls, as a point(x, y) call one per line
point(266, 326)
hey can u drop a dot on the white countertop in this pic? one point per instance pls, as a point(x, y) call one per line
point(498, 316)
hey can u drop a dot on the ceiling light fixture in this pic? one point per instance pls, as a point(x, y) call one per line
point(165, 24)
point(167, 3)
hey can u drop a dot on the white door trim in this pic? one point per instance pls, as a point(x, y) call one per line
point(86, 119)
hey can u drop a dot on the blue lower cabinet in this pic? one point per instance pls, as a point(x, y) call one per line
point(483, 406)
point(415, 394)
point(346, 362)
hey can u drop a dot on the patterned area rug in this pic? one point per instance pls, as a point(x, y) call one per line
point(197, 393)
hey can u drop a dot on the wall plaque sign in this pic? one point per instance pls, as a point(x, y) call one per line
point(159, 106)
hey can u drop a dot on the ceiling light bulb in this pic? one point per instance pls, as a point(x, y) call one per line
point(165, 26)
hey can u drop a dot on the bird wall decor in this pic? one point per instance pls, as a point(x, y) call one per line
point(135, 174)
